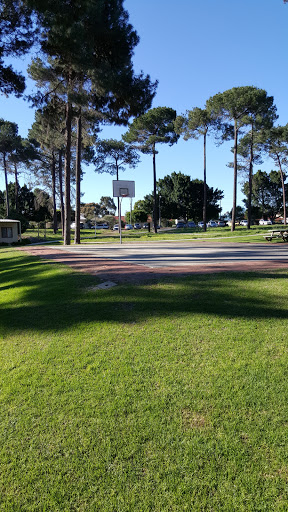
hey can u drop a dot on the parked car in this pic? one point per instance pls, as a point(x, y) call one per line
point(128, 226)
point(244, 222)
point(191, 224)
point(73, 225)
point(116, 227)
point(180, 225)
point(201, 224)
point(137, 226)
point(102, 226)
point(221, 223)
point(212, 224)
point(263, 222)
point(145, 225)
point(237, 222)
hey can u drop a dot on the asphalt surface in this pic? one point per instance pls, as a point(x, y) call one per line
point(167, 254)
point(139, 262)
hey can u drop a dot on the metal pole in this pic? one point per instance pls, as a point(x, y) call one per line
point(120, 228)
point(159, 212)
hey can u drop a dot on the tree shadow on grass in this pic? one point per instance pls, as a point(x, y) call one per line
point(44, 297)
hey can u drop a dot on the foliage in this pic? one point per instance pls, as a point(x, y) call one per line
point(240, 212)
point(157, 126)
point(245, 146)
point(17, 34)
point(195, 123)
point(141, 206)
point(106, 206)
point(25, 154)
point(109, 219)
point(43, 206)
point(9, 138)
point(139, 215)
point(88, 210)
point(14, 214)
point(140, 212)
point(26, 200)
point(113, 155)
point(267, 198)
point(235, 109)
point(261, 117)
point(182, 197)
point(31, 205)
point(9, 142)
point(274, 142)
point(25, 204)
point(154, 127)
point(88, 49)
point(198, 122)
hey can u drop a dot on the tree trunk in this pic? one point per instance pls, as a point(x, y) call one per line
point(154, 190)
point(6, 186)
point(78, 179)
point(60, 171)
point(205, 187)
point(235, 176)
point(16, 186)
point(283, 189)
point(250, 180)
point(262, 203)
point(117, 178)
point(67, 206)
point(53, 173)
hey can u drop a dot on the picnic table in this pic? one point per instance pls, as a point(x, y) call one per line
point(277, 233)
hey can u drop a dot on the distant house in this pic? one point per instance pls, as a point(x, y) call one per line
point(10, 231)
point(116, 218)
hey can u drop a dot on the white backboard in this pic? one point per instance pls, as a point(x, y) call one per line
point(123, 188)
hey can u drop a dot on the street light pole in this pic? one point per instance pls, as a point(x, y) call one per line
point(159, 212)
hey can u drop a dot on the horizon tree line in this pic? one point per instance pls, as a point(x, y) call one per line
point(269, 140)
point(83, 81)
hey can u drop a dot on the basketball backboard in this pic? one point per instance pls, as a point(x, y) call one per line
point(123, 188)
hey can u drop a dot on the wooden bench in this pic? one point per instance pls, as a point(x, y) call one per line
point(277, 233)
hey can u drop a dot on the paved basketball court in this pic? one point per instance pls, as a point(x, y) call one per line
point(138, 261)
point(184, 253)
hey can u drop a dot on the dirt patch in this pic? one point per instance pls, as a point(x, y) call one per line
point(122, 272)
point(192, 420)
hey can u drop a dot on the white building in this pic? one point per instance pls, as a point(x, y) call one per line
point(10, 231)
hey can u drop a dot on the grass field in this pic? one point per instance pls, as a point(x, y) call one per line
point(160, 397)
point(241, 234)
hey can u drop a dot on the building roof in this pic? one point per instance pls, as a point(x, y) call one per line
point(9, 220)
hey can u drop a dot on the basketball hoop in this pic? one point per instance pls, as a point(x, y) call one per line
point(123, 192)
point(121, 189)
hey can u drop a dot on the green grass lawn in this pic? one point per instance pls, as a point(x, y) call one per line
point(241, 234)
point(160, 397)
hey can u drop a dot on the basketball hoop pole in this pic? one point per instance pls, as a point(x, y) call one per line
point(120, 227)
point(123, 188)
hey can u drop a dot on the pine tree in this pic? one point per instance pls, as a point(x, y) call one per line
point(195, 124)
point(154, 127)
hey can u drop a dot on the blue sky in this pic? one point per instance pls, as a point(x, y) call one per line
point(195, 49)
